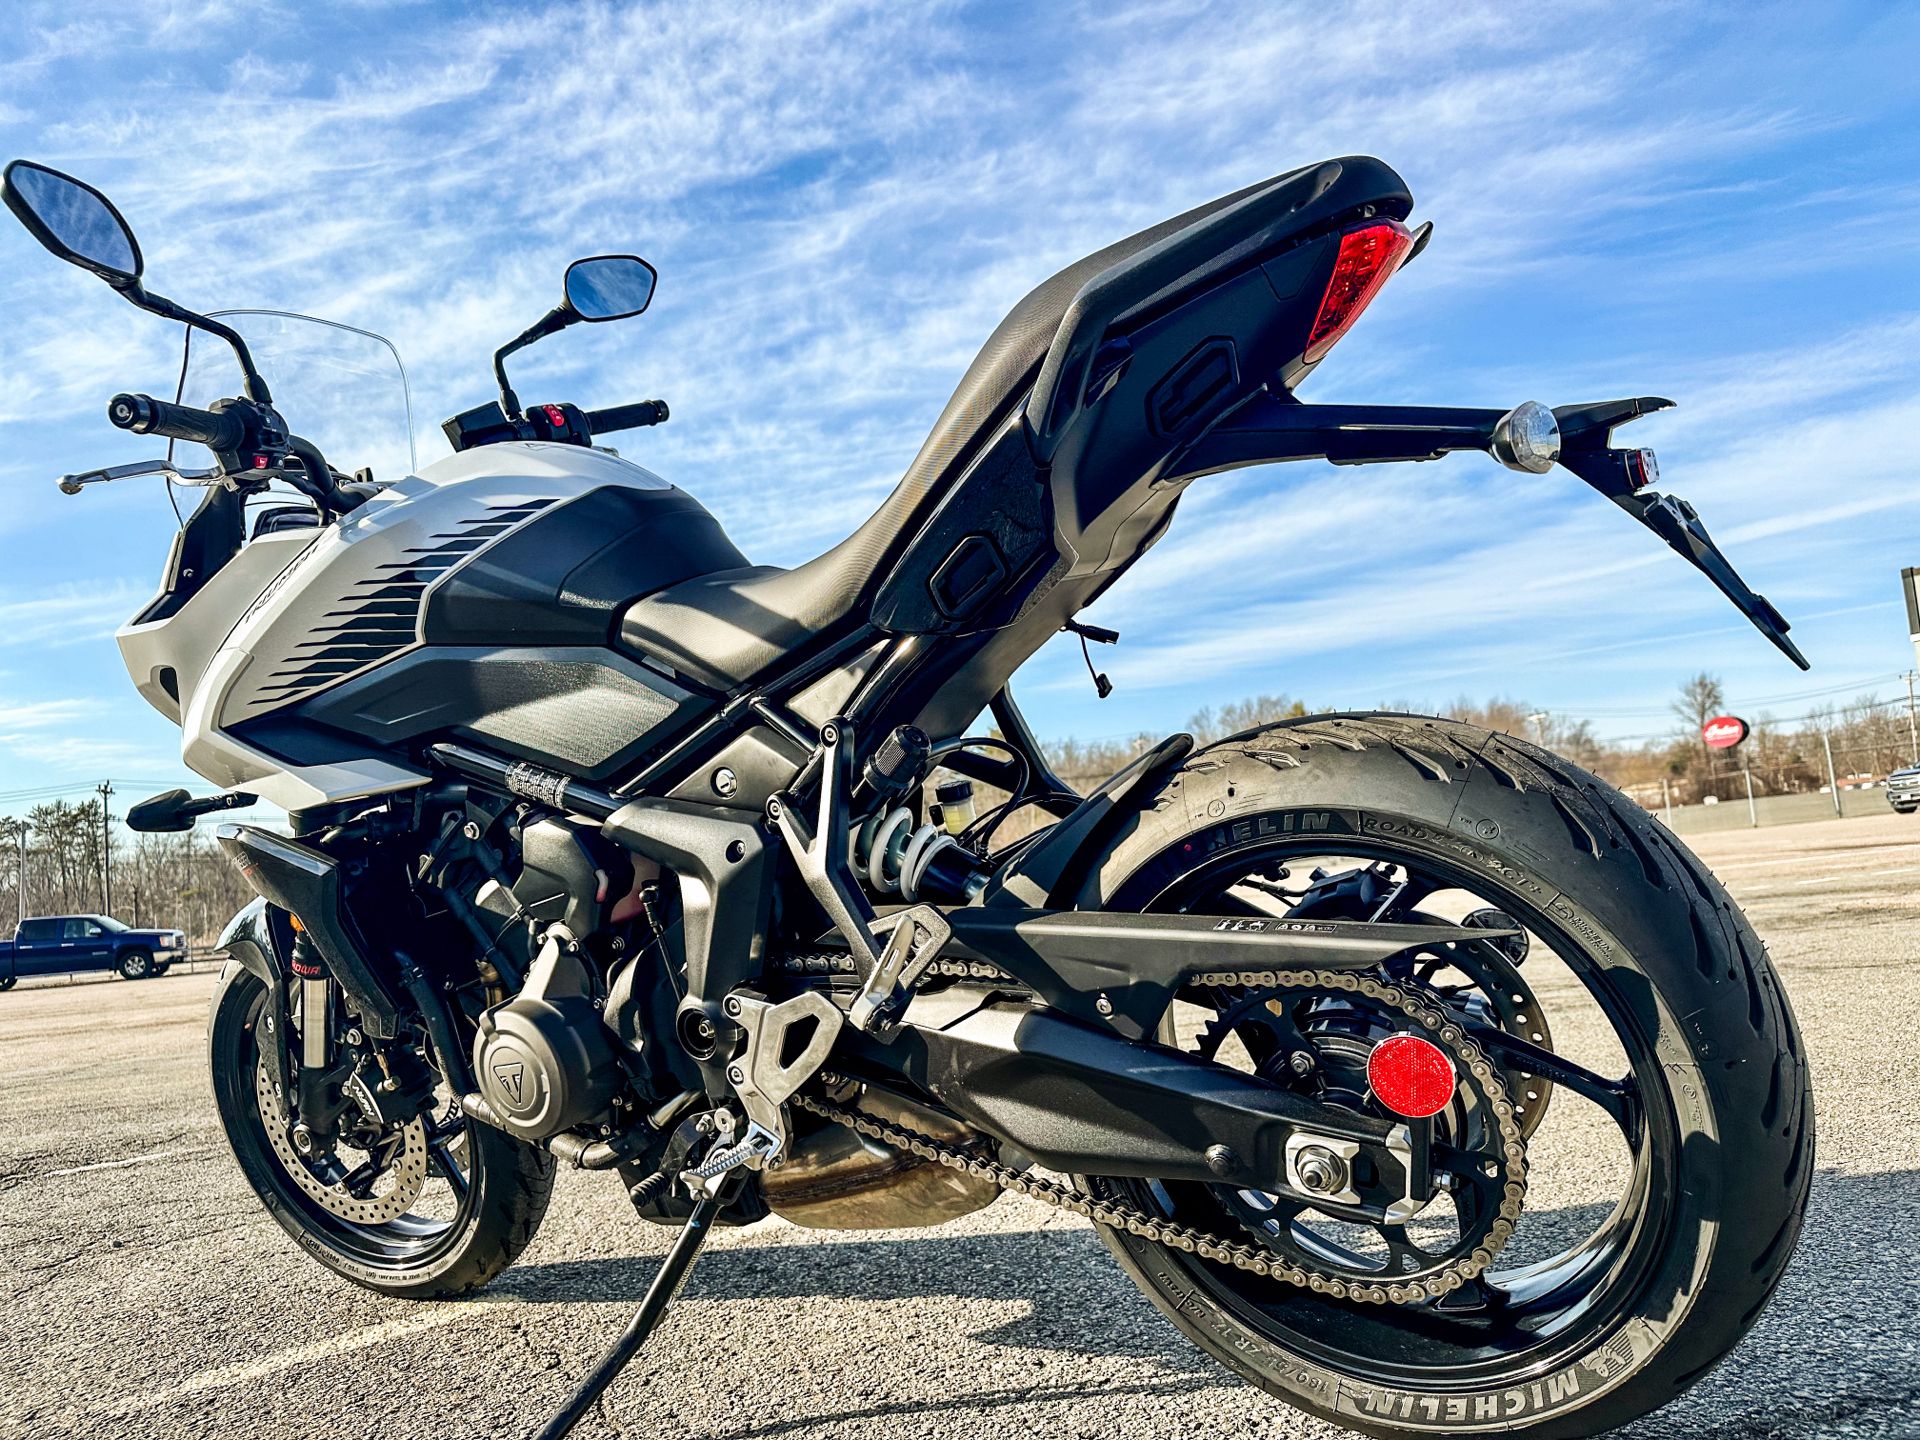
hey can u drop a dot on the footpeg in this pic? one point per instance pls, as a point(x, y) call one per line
point(757, 1147)
point(915, 937)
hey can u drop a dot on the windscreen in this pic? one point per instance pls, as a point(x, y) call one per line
point(343, 389)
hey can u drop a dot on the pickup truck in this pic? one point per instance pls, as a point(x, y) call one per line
point(1903, 790)
point(64, 944)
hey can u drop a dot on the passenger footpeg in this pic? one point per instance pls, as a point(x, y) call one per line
point(914, 938)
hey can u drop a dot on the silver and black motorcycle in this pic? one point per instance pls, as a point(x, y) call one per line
point(1414, 1073)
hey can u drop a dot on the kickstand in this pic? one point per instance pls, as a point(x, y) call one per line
point(666, 1285)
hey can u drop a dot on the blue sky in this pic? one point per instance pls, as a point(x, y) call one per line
point(1715, 204)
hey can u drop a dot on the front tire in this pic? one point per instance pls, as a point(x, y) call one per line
point(135, 965)
point(482, 1224)
point(1667, 956)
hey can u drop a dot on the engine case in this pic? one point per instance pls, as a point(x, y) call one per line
point(543, 1061)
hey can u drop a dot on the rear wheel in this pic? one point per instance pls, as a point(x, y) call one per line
point(7, 982)
point(1665, 1169)
point(427, 1210)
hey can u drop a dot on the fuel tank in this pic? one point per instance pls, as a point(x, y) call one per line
point(475, 599)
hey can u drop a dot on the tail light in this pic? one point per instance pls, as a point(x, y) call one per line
point(1367, 257)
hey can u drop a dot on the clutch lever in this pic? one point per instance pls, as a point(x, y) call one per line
point(71, 484)
point(1626, 477)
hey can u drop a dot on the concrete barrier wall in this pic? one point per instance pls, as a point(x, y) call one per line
point(1776, 810)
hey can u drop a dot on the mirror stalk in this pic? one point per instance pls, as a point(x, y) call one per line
point(251, 381)
point(556, 319)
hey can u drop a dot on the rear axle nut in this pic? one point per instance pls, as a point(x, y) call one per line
point(1320, 1171)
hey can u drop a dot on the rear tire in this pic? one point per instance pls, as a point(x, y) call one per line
point(7, 982)
point(135, 965)
point(510, 1182)
point(1687, 974)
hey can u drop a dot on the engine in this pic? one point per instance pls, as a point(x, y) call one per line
point(568, 952)
point(543, 1061)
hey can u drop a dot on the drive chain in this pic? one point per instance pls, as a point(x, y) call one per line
point(1159, 1230)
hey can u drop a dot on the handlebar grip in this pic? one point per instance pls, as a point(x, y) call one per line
point(144, 415)
point(628, 417)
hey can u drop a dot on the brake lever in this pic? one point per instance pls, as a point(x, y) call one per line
point(1623, 476)
point(71, 484)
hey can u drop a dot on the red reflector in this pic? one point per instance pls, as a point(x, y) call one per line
point(1411, 1076)
point(1367, 257)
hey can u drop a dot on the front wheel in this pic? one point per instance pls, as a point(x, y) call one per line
point(1663, 1162)
point(135, 965)
point(427, 1210)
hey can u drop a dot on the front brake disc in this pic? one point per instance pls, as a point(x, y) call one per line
point(385, 1197)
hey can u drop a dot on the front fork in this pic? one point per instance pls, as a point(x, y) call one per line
point(317, 1108)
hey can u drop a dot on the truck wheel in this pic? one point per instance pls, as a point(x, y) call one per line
point(135, 965)
point(7, 982)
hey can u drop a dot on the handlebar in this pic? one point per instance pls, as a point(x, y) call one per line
point(627, 417)
point(144, 415)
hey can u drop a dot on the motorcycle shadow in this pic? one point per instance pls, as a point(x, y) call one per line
point(1832, 1353)
point(1080, 1301)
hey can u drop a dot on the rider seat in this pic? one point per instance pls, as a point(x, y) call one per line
point(724, 629)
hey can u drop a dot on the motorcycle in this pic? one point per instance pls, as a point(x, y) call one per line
point(1415, 1074)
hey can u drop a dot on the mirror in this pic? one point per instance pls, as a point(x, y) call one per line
point(73, 220)
point(609, 287)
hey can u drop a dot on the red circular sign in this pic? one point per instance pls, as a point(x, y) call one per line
point(1723, 732)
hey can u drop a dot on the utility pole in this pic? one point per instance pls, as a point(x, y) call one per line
point(1833, 781)
point(20, 888)
point(106, 849)
point(1666, 799)
point(1913, 725)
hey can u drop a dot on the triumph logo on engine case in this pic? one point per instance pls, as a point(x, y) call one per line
point(512, 1075)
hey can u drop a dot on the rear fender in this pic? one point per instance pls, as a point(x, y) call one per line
point(1048, 873)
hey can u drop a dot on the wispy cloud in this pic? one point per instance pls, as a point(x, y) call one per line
point(68, 614)
point(845, 197)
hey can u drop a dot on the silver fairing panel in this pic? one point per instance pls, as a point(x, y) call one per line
point(298, 612)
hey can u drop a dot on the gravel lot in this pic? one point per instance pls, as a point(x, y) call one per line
point(146, 1293)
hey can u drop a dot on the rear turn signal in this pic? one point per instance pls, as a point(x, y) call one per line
point(1642, 469)
point(1367, 257)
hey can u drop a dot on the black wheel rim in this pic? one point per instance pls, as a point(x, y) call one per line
point(1525, 1319)
point(410, 1242)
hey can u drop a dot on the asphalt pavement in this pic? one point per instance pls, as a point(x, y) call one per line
point(144, 1292)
